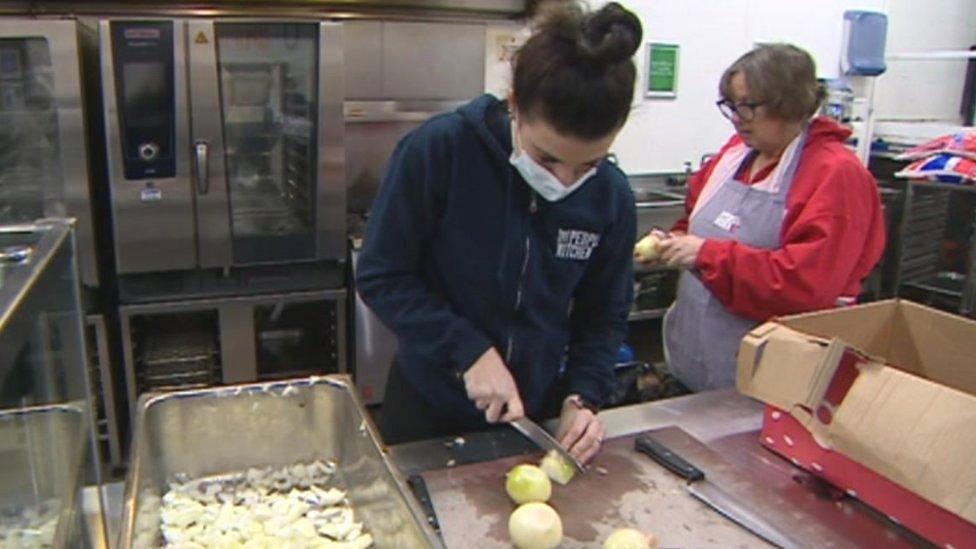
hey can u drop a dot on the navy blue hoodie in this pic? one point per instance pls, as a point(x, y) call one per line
point(461, 255)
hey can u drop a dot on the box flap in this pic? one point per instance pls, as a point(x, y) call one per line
point(917, 339)
point(780, 365)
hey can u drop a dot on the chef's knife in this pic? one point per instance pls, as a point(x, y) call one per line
point(539, 436)
point(419, 488)
point(710, 494)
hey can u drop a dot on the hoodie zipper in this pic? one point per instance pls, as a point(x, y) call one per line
point(525, 265)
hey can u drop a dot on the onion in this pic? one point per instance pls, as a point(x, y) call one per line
point(647, 249)
point(557, 467)
point(628, 538)
point(535, 526)
point(526, 483)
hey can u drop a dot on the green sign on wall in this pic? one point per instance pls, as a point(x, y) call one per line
point(662, 70)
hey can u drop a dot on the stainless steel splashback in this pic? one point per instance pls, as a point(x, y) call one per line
point(402, 60)
point(399, 74)
point(373, 129)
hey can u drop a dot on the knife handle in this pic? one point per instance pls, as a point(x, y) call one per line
point(419, 488)
point(670, 460)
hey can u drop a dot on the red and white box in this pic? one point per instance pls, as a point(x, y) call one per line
point(880, 401)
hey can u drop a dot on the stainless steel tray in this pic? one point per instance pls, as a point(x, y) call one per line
point(213, 431)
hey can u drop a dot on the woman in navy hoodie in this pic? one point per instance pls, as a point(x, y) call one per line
point(499, 245)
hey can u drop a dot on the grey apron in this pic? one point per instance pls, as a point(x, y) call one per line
point(701, 338)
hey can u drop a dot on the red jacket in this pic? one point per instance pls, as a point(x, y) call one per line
point(832, 235)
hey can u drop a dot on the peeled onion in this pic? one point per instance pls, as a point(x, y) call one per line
point(535, 526)
point(526, 483)
point(557, 468)
point(628, 538)
point(647, 249)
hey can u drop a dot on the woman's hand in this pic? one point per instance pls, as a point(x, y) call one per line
point(681, 251)
point(490, 386)
point(580, 431)
point(647, 250)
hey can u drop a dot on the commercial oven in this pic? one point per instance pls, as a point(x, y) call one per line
point(44, 162)
point(225, 142)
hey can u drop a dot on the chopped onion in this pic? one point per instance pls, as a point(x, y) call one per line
point(628, 538)
point(557, 468)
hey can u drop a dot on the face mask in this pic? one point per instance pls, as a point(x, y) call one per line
point(538, 177)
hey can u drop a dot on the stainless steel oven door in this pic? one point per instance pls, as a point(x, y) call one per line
point(279, 111)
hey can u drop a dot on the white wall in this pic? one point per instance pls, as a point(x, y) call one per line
point(662, 134)
point(925, 90)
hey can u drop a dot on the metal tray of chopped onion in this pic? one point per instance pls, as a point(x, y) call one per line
point(293, 463)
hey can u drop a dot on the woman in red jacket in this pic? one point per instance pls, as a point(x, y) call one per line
point(784, 220)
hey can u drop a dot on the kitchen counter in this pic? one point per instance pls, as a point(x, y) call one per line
point(464, 476)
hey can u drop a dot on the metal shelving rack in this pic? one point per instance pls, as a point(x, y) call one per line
point(924, 223)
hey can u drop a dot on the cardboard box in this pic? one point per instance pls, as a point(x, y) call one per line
point(880, 400)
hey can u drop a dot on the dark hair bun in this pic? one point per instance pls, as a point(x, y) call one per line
point(611, 35)
point(602, 38)
point(577, 71)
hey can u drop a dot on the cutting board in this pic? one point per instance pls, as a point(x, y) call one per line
point(622, 489)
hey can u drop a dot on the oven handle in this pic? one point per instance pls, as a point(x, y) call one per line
point(201, 151)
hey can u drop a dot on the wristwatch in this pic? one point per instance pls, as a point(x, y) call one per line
point(582, 403)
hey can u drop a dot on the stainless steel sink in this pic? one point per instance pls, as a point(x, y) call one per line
point(653, 197)
point(657, 206)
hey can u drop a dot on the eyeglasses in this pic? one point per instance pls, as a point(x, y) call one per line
point(745, 111)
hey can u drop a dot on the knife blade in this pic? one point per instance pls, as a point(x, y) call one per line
point(711, 494)
point(544, 440)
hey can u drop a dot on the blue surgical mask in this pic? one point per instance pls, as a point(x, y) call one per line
point(538, 177)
